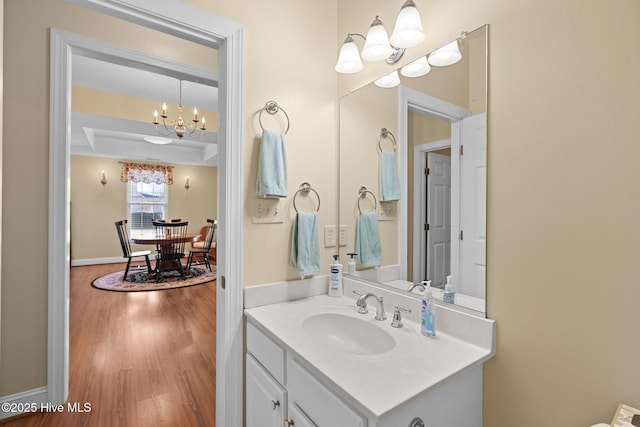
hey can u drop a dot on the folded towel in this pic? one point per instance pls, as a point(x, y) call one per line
point(305, 249)
point(368, 240)
point(272, 166)
point(388, 177)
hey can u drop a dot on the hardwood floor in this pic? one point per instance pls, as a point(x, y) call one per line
point(138, 358)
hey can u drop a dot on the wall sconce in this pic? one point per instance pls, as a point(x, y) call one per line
point(378, 45)
point(187, 183)
point(103, 178)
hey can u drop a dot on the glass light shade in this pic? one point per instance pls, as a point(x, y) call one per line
point(417, 68)
point(349, 58)
point(388, 81)
point(377, 47)
point(446, 55)
point(408, 30)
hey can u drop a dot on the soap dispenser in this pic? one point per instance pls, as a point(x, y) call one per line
point(449, 294)
point(335, 278)
point(352, 263)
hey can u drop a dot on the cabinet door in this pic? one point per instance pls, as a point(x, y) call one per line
point(297, 418)
point(266, 399)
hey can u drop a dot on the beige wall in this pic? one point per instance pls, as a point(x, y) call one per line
point(95, 207)
point(563, 201)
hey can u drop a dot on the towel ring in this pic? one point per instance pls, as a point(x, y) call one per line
point(305, 188)
point(272, 108)
point(385, 133)
point(362, 193)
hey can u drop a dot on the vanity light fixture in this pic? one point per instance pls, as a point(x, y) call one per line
point(178, 126)
point(103, 178)
point(388, 81)
point(417, 68)
point(378, 46)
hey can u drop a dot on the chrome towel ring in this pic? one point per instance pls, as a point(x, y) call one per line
point(362, 193)
point(385, 133)
point(304, 189)
point(273, 108)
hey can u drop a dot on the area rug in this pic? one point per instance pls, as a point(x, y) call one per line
point(139, 280)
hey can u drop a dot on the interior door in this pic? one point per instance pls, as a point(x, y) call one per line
point(473, 202)
point(438, 250)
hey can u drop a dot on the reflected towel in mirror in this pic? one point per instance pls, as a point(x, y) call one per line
point(389, 186)
point(272, 166)
point(305, 248)
point(368, 240)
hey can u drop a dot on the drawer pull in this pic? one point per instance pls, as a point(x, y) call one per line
point(275, 404)
point(288, 423)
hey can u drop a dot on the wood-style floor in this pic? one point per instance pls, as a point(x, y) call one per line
point(138, 358)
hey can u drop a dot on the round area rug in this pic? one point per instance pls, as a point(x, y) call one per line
point(139, 280)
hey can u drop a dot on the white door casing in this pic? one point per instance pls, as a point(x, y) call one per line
point(185, 21)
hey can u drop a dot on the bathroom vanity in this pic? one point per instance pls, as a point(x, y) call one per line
point(318, 362)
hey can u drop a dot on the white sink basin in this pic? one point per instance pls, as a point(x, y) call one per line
point(347, 334)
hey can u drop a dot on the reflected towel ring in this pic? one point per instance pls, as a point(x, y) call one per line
point(362, 193)
point(272, 108)
point(385, 133)
point(305, 188)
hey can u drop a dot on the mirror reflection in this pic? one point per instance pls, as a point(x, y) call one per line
point(419, 149)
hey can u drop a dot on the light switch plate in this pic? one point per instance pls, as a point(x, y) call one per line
point(342, 235)
point(267, 211)
point(329, 236)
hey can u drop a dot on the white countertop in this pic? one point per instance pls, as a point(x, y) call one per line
point(379, 382)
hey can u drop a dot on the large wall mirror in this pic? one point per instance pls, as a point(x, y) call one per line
point(413, 165)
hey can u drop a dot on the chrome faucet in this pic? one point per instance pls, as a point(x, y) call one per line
point(361, 303)
point(416, 285)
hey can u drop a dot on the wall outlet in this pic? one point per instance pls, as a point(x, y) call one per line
point(267, 211)
point(387, 211)
point(342, 235)
point(329, 236)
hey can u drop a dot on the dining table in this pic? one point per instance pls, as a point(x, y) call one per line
point(161, 240)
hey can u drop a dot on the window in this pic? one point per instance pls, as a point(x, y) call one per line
point(145, 203)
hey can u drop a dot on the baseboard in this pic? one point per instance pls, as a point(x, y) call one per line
point(93, 261)
point(23, 402)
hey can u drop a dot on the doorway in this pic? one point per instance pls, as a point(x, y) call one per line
point(177, 19)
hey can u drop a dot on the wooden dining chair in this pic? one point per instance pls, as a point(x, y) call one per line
point(121, 227)
point(171, 239)
point(205, 248)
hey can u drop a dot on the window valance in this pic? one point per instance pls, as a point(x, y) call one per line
point(142, 172)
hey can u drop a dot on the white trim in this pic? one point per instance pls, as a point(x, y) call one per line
point(193, 24)
point(34, 398)
point(409, 99)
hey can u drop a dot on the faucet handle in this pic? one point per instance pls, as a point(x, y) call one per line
point(361, 303)
point(397, 316)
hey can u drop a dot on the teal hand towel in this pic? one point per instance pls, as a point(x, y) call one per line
point(368, 240)
point(272, 166)
point(305, 249)
point(389, 186)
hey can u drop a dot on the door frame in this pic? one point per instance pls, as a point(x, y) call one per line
point(190, 23)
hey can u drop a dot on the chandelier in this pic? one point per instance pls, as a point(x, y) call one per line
point(178, 126)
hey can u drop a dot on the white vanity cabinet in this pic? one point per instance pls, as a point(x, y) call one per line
point(280, 391)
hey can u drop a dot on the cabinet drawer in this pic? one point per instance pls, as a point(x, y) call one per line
point(320, 404)
point(266, 351)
